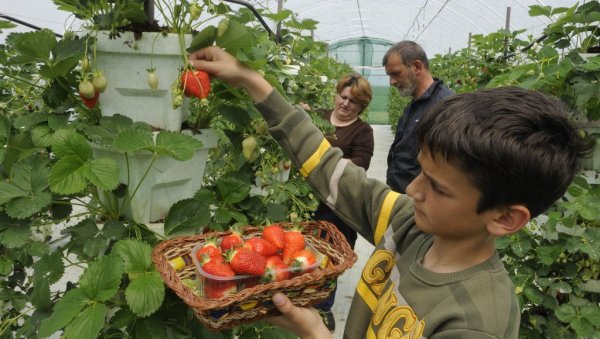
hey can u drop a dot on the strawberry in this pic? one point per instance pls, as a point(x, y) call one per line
point(294, 242)
point(244, 261)
point(275, 235)
point(86, 89)
point(249, 148)
point(152, 78)
point(276, 272)
point(232, 240)
point(195, 84)
point(261, 246)
point(99, 81)
point(90, 102)
point(304, 259)
point(218, 288)
point(210, 248)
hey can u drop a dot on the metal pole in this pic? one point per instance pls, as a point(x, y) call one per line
point(507, 27)
point(279, 8)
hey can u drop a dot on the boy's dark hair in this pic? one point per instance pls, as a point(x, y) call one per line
point(517, 146)
point(409, 51)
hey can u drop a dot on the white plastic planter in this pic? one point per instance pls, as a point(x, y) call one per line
point(124, 61)
point(167, 182)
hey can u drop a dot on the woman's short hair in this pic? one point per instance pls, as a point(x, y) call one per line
point(359, 88)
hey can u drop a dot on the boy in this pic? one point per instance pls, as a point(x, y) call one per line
point(490, 161)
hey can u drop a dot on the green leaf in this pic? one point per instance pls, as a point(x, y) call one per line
point(40, 297)
point(136, 255)
point(88, 323)
point(6, 265)
point(41, 136)
point(15, 236)
point(533, 294)
point(114, 230)
point(548, 254)
point(34, 46)
point(153, 327)
point(67, 176)
point(132, 140)
point(591, 312)
point(67, 142)
point(9, 191)
point(521, 247)
point(187, 214)
point(582, 327)
point(101, 280)
point(145, 293)
point(176, 145)
point(237, 37)
point(123, 318)
point(205, 38)
point(25, 207)
point(232, 190)
point(566, 313)
point(103, 173)
point(67, 307)
point(591, 243)
point(50, 267)
point(95, 246)
point(591, 286)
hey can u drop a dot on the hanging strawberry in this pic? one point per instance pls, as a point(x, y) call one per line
point(152, 78)
point(90, 102)
point(99, 81)
point(195, 84)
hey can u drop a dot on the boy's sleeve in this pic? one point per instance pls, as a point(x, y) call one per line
point(366, 205)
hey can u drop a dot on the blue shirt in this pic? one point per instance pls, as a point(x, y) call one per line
point(403, 166)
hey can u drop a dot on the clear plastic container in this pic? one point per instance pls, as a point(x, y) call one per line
point(214, 287)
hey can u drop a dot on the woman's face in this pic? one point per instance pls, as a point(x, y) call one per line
point(346, 108)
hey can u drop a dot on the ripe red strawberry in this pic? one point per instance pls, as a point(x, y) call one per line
point(90, 102)
point(244, 261)
point(261, 246)
point(294, 242)
point(304, 259)
point(217, 288)
point(275, 235)
point(195, 84)
point(210, 248)
point(233, 240)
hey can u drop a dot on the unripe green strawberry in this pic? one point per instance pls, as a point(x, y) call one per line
point(152, 78)
point(86, 89)
point(195, 11)
point(99, 82)
point(249, 147)
point(261, 127)
point(222, 27)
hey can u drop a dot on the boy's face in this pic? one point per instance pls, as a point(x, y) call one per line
point(445, 201)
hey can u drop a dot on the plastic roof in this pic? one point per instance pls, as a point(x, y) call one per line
point(437, 25)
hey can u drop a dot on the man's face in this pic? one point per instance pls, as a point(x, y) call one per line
point(401, 76)
point(445, 201)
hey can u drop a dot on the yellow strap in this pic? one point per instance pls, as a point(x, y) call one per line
point(366, 295)
point(384, 215)
point(315, 158)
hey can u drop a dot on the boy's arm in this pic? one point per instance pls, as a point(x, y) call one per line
point(363, 203)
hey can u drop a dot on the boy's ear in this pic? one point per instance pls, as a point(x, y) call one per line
point(509, 220)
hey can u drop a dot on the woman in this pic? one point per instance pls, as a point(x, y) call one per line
point(355, 138)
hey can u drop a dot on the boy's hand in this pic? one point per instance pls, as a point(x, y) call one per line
point(304, 322)
point(223, 65)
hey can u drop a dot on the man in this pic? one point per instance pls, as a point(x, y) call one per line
point(408, 68)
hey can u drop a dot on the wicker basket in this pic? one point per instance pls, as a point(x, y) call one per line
point(254, 303)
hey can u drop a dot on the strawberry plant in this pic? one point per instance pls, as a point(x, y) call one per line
point(65, 224)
